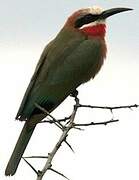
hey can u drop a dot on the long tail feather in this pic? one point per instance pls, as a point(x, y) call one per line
point(19, 149)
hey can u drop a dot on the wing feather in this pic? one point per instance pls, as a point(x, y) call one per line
point(53, 55)
point(33, 79)
point(61, 69)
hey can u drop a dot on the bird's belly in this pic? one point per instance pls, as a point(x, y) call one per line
point(93, 70)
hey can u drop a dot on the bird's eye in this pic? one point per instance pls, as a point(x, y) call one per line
point(88, 18)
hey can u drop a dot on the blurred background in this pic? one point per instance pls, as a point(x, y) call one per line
point(102, 152)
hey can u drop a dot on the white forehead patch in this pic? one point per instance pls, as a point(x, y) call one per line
point(95, 10)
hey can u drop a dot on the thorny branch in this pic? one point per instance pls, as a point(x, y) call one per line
point(109, 107)
point(62, 138)
point(59, 120)
point(97, 123)
point(69, 124)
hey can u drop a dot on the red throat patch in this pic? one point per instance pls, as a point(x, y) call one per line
point(96, 30)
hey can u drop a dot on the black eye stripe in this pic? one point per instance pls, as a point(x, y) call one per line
point(88, 18)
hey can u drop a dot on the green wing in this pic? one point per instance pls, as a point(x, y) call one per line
point(51, 56)
point(65, 66)
point(33, 79)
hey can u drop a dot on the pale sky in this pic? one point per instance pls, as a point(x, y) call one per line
point(103, 152)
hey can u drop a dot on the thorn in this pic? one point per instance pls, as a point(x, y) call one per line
point(57, 123)
point(131, 108)
point(111, 110)
point(43, 157)
point(31, 166)
point(67, 122)
point(69, 146)
point(59, 173)
point(80, 129)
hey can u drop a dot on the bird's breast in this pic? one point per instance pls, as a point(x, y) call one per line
point(95, 30)
point(99, 51)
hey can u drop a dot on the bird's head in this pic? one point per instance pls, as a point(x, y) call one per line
point(91, 21)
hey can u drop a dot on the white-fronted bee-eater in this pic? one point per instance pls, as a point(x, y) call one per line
point(74, 57)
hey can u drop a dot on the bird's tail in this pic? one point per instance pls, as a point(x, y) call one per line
point(19, 149)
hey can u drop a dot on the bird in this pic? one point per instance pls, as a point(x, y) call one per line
point(72, 58)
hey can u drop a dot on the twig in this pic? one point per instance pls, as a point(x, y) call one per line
point(68, 125)
point(62, 138)
point(97, 123)
point(55, 121)
point(64, 119)
point(33, 157)
point(59, 120)
point(109, 107)
point(31, 166)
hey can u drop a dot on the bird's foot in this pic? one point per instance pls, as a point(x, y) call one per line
point(74, 93)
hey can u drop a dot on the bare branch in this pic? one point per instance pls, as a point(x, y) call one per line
point(68, 125)
point(31, 157)
point(31, 166)
point(62, 138)
point(109, 107)
point(97, 123)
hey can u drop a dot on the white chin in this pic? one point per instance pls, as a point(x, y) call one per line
point(93, 24)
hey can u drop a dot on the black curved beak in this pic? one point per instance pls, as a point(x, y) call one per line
point(88, 18)
point(110, 12)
